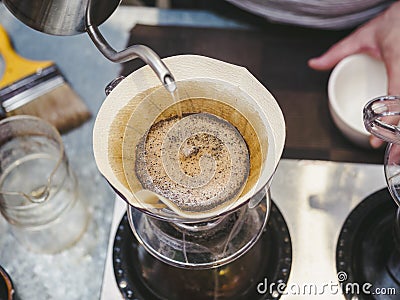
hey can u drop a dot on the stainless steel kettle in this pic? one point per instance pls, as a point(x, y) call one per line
point(66, 17)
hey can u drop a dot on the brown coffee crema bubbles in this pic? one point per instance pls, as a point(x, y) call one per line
point(198, 162)
point(192, 164)
point(198, 165)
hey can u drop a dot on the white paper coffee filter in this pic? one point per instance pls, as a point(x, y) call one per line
point(120, 107)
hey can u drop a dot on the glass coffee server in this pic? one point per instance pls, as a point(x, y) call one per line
point(368, 248)
point(194, 163)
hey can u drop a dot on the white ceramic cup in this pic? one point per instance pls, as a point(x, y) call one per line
point(353, 82)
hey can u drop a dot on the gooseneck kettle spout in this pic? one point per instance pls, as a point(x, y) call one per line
point(64, 17)
point(136, 51)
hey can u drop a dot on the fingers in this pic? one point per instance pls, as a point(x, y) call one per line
point(335, 54)
point(394, 80)
point(375, 142)
point(360, 41)
point(392, 62)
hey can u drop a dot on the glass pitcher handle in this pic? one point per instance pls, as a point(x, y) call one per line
point(381, 118)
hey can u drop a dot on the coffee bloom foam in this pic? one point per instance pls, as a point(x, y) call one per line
point(198, 162)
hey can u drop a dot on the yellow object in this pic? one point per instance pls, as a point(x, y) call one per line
point(16, 67)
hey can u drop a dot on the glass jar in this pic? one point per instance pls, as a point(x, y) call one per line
point(39, 195)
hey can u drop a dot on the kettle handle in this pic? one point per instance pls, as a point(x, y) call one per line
point(135, 51)
point(381, 118)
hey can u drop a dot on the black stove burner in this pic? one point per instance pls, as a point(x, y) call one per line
point(7, 290)
point(141, 276)
point(366, 257)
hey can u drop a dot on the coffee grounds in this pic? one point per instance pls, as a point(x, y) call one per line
point(198, 162)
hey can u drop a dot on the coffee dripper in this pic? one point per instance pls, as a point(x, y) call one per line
point(204, 238)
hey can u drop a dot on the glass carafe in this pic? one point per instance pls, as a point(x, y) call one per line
point(381, 118)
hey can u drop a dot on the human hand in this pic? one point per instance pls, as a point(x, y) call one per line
point(379, 38)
